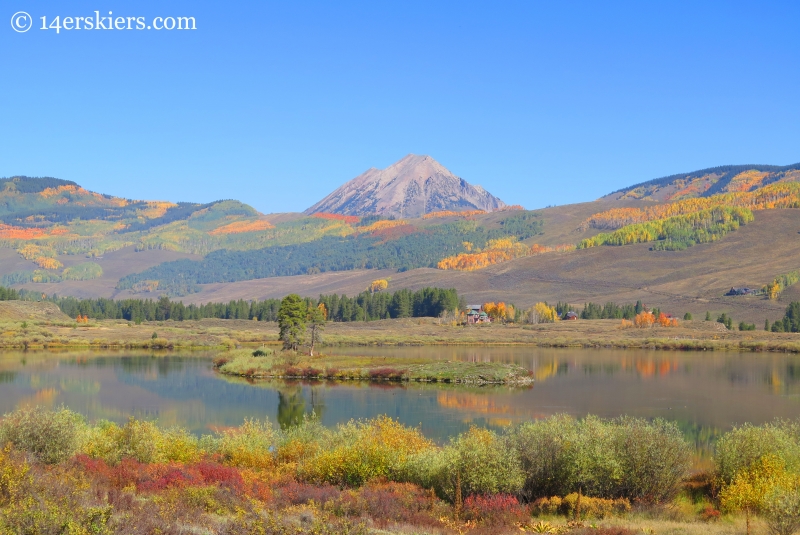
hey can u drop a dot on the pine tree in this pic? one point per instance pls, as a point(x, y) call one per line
point(292, 321)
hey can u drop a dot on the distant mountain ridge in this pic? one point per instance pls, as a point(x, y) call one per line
point(412, 187)
point(708, 182)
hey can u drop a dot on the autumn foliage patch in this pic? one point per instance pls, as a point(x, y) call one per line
point(773, 196)
point(239, 227)
point(349, 219)
point(495, 252)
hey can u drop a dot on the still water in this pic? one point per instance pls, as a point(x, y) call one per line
point(705, 392)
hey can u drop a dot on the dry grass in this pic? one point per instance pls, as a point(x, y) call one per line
point(660, 526)
point(216, 333)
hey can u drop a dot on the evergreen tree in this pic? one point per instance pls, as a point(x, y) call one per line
point(292, 321)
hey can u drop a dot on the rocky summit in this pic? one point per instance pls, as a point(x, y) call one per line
point(412, 187)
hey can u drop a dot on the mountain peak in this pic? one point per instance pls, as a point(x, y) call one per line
point(411, 187)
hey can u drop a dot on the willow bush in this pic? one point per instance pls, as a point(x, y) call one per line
point(50, 436)
point(622, 458)
point(478, 461)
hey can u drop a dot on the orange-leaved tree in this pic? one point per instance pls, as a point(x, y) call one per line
point(644, 319)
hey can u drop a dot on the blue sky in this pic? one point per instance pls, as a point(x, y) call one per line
point(277, 104)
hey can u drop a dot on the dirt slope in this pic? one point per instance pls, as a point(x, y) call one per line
point(29, 310)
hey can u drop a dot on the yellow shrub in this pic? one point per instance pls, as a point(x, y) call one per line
point(12, 475)
point(102, 441)
point(359, 451)
point(547, 506)
point(141, 440)
point(248, 446)
point(594, 507)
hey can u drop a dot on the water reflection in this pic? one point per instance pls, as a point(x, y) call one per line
point(704, 392)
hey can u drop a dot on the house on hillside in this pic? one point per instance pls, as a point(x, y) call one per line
point(570, 315)
point(476, 314)
point(742, 291)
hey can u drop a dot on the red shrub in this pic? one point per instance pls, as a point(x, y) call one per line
point(217, 474)
point(155, 477)
point(387, 502)
point(494, 509)
point(710, 514)
point(296, 493)
point(311, 372)
point(127, 472)
point(174, 476)
point(386, 374)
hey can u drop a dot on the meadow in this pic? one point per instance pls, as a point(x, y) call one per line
point(61, 474)
point(42, 326)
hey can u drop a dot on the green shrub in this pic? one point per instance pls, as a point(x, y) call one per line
point(248, 446)
point(50, 436)
point(541, 446)
point(479, 459)
point(626, 457)
point(782, 511)
point(654, 457)
point(594, 465)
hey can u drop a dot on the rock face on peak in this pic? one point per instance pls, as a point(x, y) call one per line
point(411, 187)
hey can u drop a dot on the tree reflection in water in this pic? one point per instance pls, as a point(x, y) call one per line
point(292, 404)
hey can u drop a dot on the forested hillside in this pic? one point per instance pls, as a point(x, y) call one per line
point(394, 245)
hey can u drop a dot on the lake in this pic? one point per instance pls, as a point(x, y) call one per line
point(705, 392)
